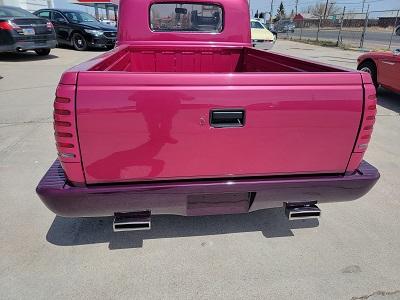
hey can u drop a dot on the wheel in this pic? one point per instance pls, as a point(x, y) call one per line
point(79, 42)
point(398, 31)
point(42, 52)
point(369, 67)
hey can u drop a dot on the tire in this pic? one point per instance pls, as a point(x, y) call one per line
point(398, 31)
point(369, 67)
point(79, 42)
point(42, 52)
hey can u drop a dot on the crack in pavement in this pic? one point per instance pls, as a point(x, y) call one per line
point(27, 88)
point(40, 121)
point(377, 293)
point(22, 138)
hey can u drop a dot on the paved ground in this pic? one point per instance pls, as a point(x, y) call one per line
point(372, 39)
point(353, 251)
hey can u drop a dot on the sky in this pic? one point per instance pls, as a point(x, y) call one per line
point(264, 5)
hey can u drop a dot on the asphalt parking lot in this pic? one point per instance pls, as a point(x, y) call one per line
point(352, 252)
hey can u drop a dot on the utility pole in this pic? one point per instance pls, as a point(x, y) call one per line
point(326, 8)
point(297, 3)
point(365, 29)
point(270, 12)
point(363, 4)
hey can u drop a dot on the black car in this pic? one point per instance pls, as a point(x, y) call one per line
point(79, 29)
point(21, 31)
point(284, 26)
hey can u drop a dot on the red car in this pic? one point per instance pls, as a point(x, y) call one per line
point(384, 68)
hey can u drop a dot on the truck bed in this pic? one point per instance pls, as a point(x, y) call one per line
point(204, 59)
point(136, 124)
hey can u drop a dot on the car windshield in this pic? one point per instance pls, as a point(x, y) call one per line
point(257, 25)
point(79, 17)
point(15, 12)
point(186, 17)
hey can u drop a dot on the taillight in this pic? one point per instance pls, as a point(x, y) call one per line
point(367, 124)
point(65, 133)
point(368, 121)
point(49, 25)
point(6, 25)
point(9, 25)
point(64, 129)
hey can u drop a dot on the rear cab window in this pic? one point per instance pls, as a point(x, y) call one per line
point(186, 17)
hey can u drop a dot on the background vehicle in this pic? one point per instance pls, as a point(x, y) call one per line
point(176, 122)
point(21, 31)
point(384, 67)
point(397, 30)
point(271, 27)
point(284, 26)
point(260, 34)
point(109, 22)
point(79, 29)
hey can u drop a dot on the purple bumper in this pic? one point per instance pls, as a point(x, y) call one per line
point(200, 197)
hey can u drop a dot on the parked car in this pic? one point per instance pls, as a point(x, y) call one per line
point(79, 29)
point(108, 22)
point(260, 34)
point(384, 67)
point(270, 26)
point(22, 31)
point(185, 117)
point(284, 26)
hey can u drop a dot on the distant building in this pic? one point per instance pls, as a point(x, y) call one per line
point(388, 18)
point(30, 5)
point(350, 20)
point(305, 20)
point(110, 7)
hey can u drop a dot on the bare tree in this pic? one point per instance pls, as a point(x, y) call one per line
point(318, 9)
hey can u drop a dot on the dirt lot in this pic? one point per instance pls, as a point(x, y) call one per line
point(352, 251)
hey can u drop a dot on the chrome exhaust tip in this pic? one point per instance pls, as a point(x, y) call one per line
point(302, 210)
point(132, 221)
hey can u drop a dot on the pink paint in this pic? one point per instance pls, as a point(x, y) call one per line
point(141, 125)
point(134, 27)
point(142, 113)
point(143, 109)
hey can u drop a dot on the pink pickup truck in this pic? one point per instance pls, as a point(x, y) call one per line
point(185, 117)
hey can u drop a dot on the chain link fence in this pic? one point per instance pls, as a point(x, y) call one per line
point(369, 30)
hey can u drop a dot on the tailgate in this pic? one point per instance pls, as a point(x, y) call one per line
point(155, 126)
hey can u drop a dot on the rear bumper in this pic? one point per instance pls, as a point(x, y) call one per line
point(28, 45)
point(200, 197)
